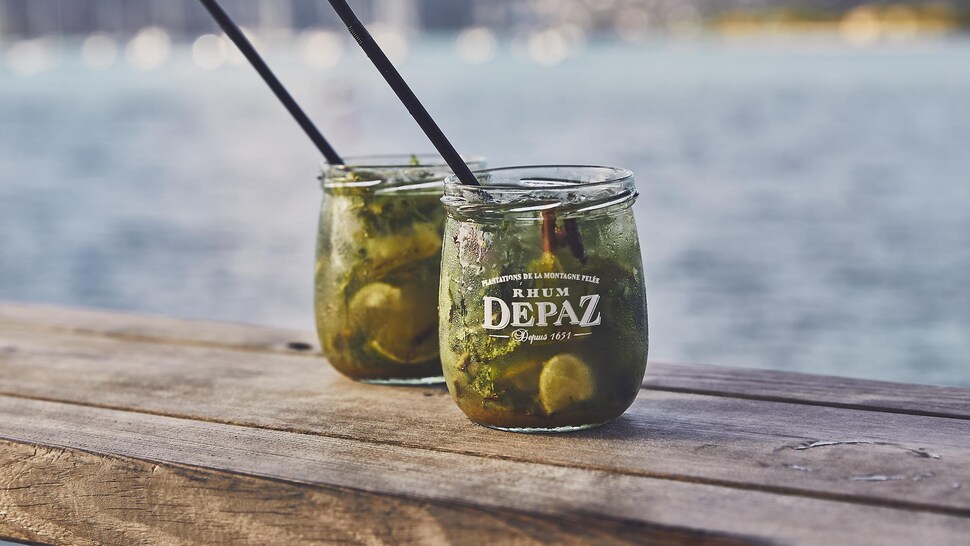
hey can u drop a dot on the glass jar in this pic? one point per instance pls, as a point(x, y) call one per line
point(543, 317)
point(378, 257)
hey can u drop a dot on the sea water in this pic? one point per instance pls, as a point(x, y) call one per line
point(803, 205)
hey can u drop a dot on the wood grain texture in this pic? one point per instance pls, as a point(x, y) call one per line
point(932, 400)
point(153, 479)
point(730, 442)
point(126, 429)
point(152, 327)
point(676, 377)
point(149, 503)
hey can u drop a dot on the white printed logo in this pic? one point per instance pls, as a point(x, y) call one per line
point(499, 314)
point(552, 309)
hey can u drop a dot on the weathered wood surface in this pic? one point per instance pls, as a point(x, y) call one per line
point(715, 380)
point(142, 502)
point(574, 499)
point(115, 431)
point(932, 400)
point(149, 327)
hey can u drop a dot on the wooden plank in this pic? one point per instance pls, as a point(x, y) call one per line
point(131, 501)
point(152, 327)
point(44, 490)
point(932, 400)
point(833, 453)
point(704, 379)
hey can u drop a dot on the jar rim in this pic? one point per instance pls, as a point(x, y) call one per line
point(526, 191)
point(402, 161)
point(613, 176)
point(396, 173)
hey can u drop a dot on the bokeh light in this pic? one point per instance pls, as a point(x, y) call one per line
point(321, 48)
point(860, 26)
point(548, 47)
point(209, 51)
point(476, 45)
point(99, 51)
point(150, 47)
point(29, 57)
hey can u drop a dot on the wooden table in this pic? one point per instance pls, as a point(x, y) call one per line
point(129, 429)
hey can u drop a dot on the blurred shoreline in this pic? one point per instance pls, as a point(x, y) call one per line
point(34, 33)
point(152, 47)
point(629, 20)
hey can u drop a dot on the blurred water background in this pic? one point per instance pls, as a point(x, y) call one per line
point(803, 198)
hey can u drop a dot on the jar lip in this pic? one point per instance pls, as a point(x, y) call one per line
point(387, 173)
point(526, 191)
point(615, 176)
point(401, 161)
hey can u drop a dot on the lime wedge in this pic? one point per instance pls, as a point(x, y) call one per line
point(405, 353)
point(371, 302)
point(565, 380)
point(400, 323)
point(522, 376)
point(393, 251)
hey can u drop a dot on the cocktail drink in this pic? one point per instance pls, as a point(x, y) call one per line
point(543, 317)
point(378, 258)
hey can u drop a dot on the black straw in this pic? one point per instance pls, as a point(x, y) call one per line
point(397, 83)
point(238, 38)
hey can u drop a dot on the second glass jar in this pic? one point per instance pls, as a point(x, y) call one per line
point(378, 258)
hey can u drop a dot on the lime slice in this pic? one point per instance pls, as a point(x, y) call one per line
point(401, 324)
point(371, 302)
point(392, 251)
point(565, 380)
point(408, 335)
point(522, 376)
point(405, 353)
